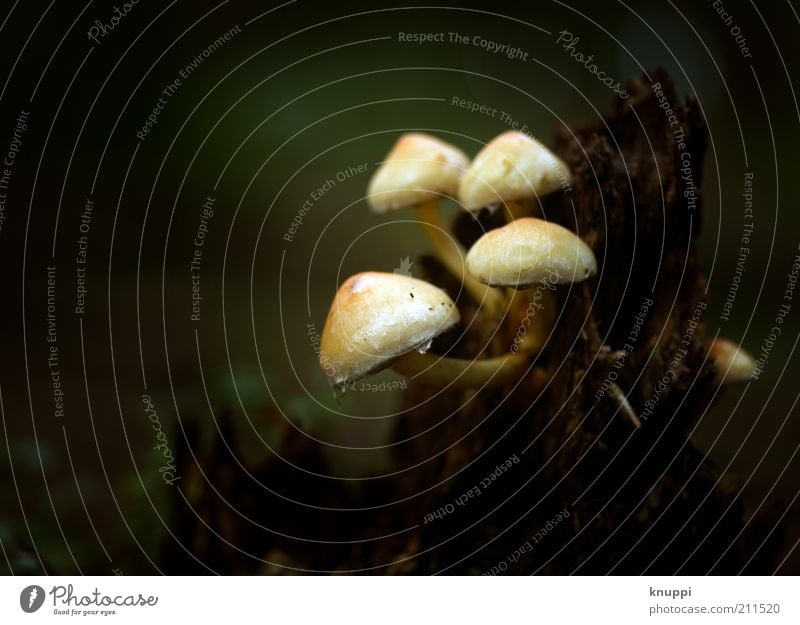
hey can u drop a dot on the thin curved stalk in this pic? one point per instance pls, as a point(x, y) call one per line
point(451, 254)
point(456, 373)
point(533, 314)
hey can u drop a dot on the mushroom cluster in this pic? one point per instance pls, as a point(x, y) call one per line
point(388, 320)
point(380, 320)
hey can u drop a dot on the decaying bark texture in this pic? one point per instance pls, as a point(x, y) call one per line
point(514, 481)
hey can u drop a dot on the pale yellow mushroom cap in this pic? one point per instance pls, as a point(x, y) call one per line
point(528, 251)
point(512, 166)
point(732, 362)
point(376, 317)
point(419, 168)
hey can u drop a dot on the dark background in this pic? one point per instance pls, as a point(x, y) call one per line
point(300, 94)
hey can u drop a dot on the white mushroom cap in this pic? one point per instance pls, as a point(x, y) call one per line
point(732, 362)
point(419, 168)
point(513, 166)
point(376, 317)
point(528, 251)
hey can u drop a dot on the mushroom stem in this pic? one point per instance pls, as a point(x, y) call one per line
point(451, 254)
point(517, 209)
point(533, 313)
point(457, 373)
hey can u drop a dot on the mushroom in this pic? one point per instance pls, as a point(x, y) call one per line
point(731, 362)
point(513, 169)
point(379, 320)
point(417, 172)
point(528, 253)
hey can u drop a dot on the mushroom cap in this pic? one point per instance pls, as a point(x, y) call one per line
point(528, 251)
point(419, 168)
point(512, 166)
point(376, 317)
point(732, 362)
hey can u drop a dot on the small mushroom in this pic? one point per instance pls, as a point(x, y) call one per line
point(731, 362)
point(418, 171)
point(528, 252)
point(379, 320)
point(513, 169)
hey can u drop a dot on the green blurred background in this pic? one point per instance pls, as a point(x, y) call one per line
point(301, 94)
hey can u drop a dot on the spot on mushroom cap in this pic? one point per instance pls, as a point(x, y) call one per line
point(732, 362)
point(419, 168)
point(512, 166)
point(376, 317)
point(528, 251)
